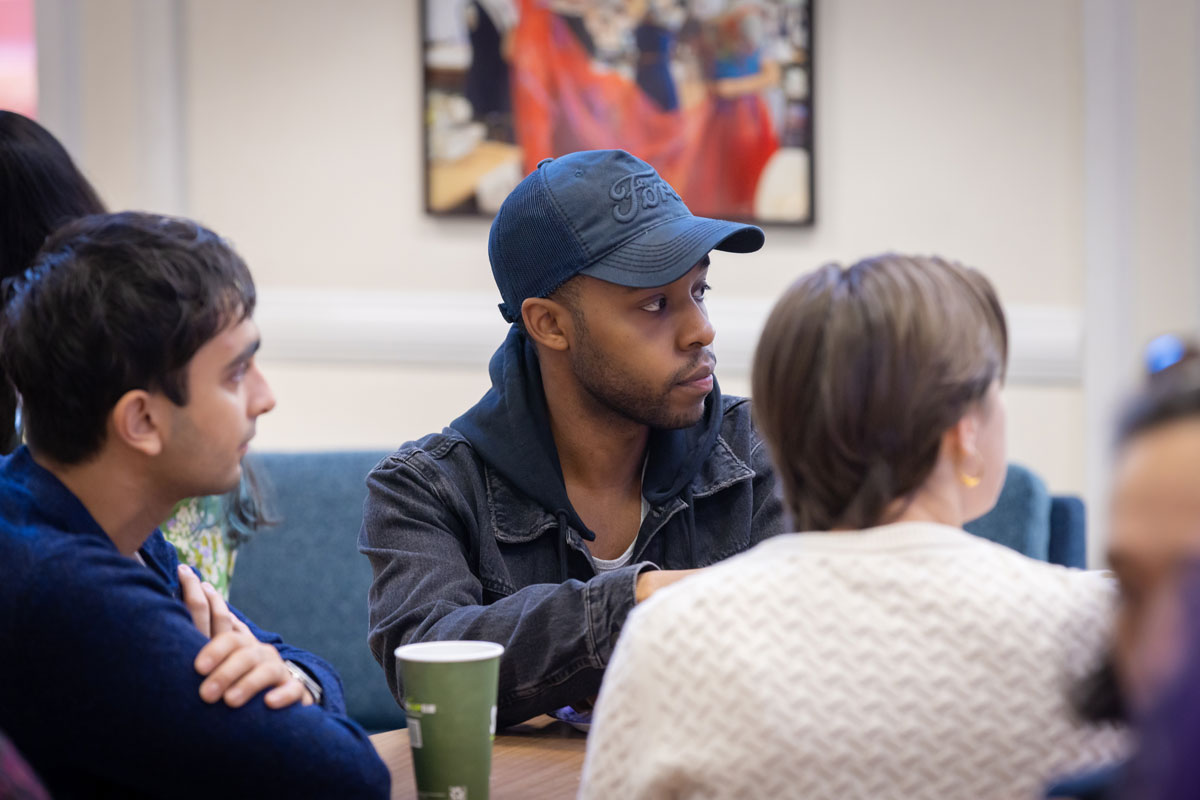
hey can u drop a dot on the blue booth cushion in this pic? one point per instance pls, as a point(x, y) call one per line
point(1029, 520)
point(305, 579)
point(1068, 531)
point(1021, 518)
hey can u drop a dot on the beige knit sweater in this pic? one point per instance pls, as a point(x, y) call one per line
point(907, 661)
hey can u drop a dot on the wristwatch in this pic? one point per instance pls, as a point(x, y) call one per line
point(305, 679)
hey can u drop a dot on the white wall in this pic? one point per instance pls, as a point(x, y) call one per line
point(942, 126)
point(1166, 166)
point(304, 140)
point(304, 144)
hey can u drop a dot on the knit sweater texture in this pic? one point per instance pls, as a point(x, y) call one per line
point(910, 661)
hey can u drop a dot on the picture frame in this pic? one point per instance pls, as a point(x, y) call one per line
point(717, 95)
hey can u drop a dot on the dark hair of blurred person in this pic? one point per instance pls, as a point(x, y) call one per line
point(35, 168)
point(40, 189)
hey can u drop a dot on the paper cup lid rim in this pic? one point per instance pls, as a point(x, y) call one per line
point(449, 652)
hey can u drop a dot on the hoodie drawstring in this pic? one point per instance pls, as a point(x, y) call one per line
point(562, 546)
point(689, 522)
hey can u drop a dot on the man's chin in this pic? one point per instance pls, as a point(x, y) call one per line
point(682, 419)
point(226, 485)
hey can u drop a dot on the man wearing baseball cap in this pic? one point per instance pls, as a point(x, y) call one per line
point(603, 463)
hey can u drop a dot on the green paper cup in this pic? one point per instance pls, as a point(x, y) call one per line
point(450, 700)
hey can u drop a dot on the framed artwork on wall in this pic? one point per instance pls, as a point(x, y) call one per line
point(716, 94)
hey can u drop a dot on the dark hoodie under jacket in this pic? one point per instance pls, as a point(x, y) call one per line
point(471, 535)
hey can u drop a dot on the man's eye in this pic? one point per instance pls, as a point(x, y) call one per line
point(701, 290)
point(656, 305)
point(238, 374)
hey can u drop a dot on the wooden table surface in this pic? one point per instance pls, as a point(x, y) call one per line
point(539, 759)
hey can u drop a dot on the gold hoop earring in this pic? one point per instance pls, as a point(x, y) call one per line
point(969, 481)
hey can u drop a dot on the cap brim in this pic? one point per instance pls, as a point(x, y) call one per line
point(666, 252)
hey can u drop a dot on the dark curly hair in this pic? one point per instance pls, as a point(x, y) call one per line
point(113, 302)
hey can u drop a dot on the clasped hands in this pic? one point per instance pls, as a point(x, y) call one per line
point(236, 665)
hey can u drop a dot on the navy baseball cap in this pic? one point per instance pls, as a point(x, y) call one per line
point(603, 213)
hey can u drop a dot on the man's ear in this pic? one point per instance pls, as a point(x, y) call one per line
point(137, 420)
point(548, 323)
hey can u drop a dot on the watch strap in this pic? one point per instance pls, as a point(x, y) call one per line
point(306, 680)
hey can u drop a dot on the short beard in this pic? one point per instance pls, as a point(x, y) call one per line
point(613, 390)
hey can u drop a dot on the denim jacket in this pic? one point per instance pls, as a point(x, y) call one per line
point(461, 550)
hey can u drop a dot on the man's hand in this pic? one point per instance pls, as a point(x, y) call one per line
point(652, 580)
point(237, 666)
point(207, 607)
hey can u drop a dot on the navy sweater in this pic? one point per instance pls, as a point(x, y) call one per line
point(97, 684)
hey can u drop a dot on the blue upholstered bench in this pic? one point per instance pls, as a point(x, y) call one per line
point(306, 580)
point(1030, 520)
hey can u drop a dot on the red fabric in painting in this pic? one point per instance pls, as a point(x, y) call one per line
point(561, 103)
point(740, 129)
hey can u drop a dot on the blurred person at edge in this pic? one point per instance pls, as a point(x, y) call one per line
point(1154, 545)
point(1155, 549)
point(1154, 539)
point(40, 190)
